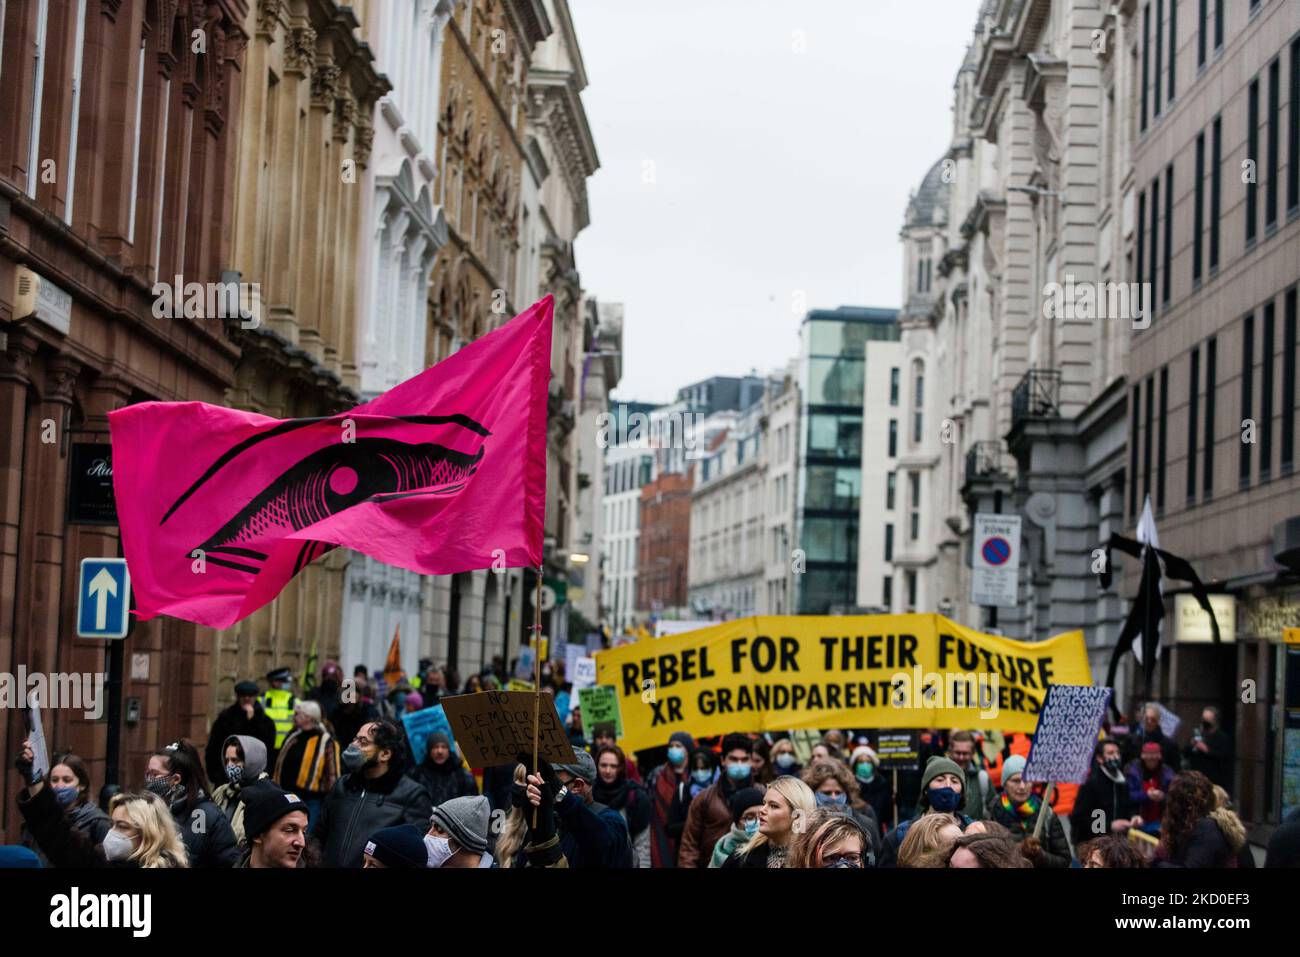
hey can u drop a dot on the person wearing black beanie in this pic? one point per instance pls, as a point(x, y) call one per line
point(745, 805)
point(275, 827)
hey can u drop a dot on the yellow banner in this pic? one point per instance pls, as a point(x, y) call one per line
point(812, 671)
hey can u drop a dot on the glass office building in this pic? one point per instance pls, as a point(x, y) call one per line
point(833, 364)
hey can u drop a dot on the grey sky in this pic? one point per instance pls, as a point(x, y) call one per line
point(775, 173)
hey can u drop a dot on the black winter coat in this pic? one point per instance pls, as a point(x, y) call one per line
point(1206, 847)
point(234, 721)
point(211, 843)
point(356, 807)
point(446, 781)
point(1100, 793)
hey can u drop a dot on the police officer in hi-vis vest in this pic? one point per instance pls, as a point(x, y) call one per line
point(278, 704)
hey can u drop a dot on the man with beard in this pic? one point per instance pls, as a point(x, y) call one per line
point(1103, 804)
point(374, 794)
point(275, 823)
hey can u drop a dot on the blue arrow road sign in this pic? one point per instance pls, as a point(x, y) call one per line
point(103, 598)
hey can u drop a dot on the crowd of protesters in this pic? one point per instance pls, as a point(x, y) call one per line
point(329, 780)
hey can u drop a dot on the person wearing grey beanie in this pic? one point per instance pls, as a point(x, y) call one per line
point(458, 833)
point(943, 785)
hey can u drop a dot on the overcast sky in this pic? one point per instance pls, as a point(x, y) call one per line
point(754, 154)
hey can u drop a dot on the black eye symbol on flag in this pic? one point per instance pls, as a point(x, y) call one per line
point(331, 480)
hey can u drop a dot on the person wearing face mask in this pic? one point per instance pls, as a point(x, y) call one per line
point(1017, 808)
point(175, 774)
point(458, 834)
point(1210, 751)
point(142, 832)
point(247, 716)
point(942, 785)
point(373, 794)
point(70, 780)
point(591, 834)
point(834, 786)
point(245, 765)
point(709, 815)
point(275, 822)
point(832, 840)
point(784, 760)
point(746, 804)
point(667, 787)
point(1148, 784)
point(873, 785)
point(1104, 804)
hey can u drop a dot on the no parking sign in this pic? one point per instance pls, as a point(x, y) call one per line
point(995, 560)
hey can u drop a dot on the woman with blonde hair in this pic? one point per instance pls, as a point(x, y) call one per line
point(513, 833)
point(833, 838)
point(143, 833)
point(784, 815)
point(929, 841)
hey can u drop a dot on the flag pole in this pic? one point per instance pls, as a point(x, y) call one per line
point(537, 674)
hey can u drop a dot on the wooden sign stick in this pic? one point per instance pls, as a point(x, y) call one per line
point(1042, 813)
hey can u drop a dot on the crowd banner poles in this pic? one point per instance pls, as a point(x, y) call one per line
point(537, 674)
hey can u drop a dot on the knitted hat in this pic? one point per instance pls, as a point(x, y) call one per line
point(254, 754)
point(466, 820)
point(936, 766)
point(1014, 765)
point(682, 738)
point(1152, 747)
point(436, 737)
point(246, 687)
point(399, 846)
point(862, 751)
point(414, 701)
point(264, 805)
point(743, 800)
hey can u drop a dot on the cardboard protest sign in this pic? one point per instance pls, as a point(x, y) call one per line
point(1066, 734)
point(599, 705)
point(420, 724)
point(899, 752)
point(584, 673)
point(494, 727)
point(783, 673)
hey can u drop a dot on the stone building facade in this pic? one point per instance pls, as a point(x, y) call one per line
point(305, 134)
point(118, 154)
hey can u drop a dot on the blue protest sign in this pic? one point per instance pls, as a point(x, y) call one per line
point(420, 724)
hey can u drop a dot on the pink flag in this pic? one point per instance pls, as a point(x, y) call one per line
point(443, 473)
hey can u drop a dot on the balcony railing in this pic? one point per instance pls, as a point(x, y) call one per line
point(1037, 395)
point(983, 459)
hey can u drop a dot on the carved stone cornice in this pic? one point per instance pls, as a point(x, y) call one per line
point(268, 17)
point(60, 378)
point(109, 9)
point(365, 139)
point(345, 115)
point(324, 85)
point(300, 51)
point(16, 360)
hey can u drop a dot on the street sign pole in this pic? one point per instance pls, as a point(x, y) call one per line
point(112, 759)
